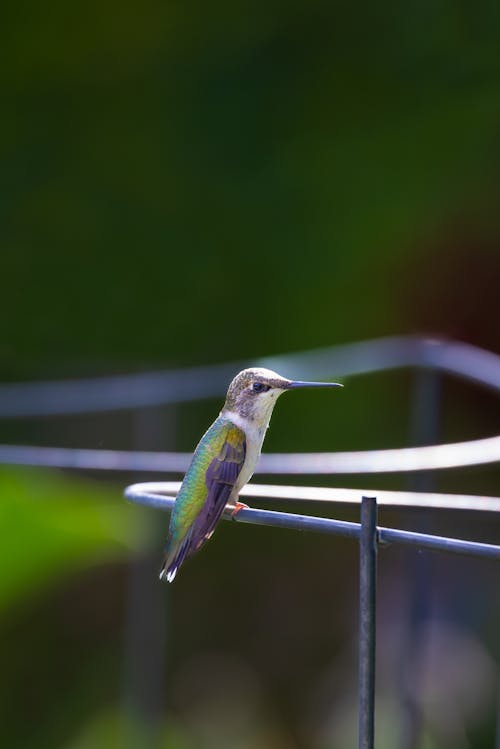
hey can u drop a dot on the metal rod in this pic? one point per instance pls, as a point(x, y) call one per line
point(144, 670)
point(367, 615)
point(439, 543)
point(417, 595)
point(425, 458)
point(139, 494)
point(100, 394)
point(497, 744)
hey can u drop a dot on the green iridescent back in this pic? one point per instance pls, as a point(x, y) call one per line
point(194, 490)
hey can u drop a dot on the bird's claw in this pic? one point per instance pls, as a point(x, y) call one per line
point(237, 508)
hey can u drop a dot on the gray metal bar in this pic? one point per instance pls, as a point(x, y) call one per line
point(406, 459)
point(121, 392)
point(192, 383)
point(146, 461)
point(256, 517)
point(439, 543)
point(425, 427)
point(144, 684)
point(367, 624)
point(139, 495)
point(497, 743)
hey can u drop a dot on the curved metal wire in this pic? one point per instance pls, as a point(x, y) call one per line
point(21, 400)
point(453, 455)
point(338, 496)
point(155, 495)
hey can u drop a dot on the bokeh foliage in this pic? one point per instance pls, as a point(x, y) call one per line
point(66, 526)
point(186, 181)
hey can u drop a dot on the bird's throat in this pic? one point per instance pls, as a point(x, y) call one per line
point(255, 429)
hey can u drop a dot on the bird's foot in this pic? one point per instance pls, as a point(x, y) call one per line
point(238, 506)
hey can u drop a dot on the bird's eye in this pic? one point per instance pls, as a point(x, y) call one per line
point(259, 387)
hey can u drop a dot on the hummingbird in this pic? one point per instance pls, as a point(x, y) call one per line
point(223, 461)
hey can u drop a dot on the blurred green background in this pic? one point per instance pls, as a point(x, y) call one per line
point(191, 183)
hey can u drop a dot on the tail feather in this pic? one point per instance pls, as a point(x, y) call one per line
point(174, 556)
point(168, 573)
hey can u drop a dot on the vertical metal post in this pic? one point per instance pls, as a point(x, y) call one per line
point(425, 422)
point(497, 744)
point(367, 614)
point(146, 612)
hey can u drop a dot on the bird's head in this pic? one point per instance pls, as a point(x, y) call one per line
point(253, 392)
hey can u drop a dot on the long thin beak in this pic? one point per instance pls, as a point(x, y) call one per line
point(300, 384)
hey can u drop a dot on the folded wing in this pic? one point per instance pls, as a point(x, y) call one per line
point(228, 444)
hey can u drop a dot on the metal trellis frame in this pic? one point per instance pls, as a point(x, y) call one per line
point(370, 537)
point(161, 495)
point(145, 390)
